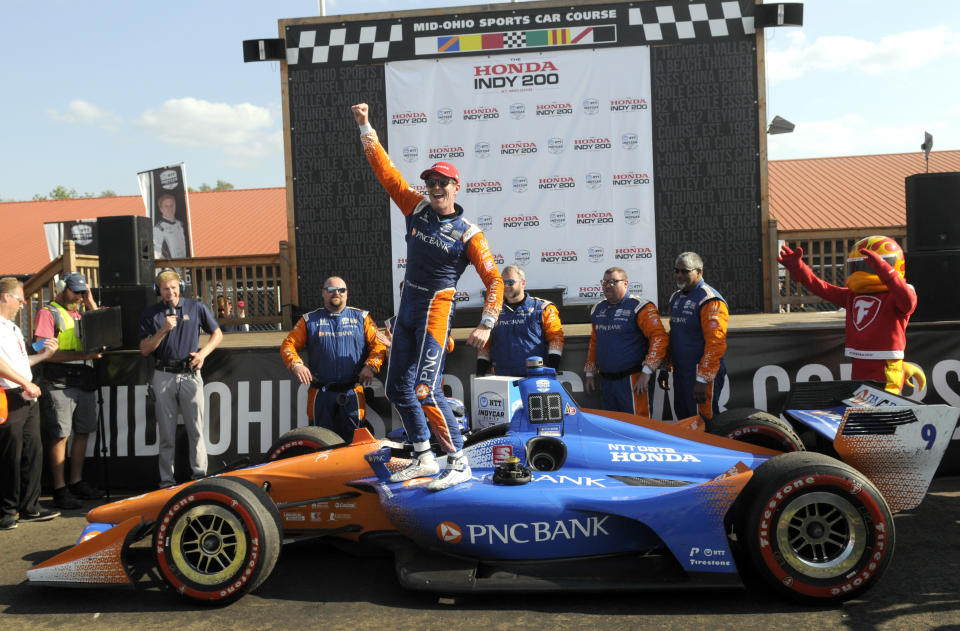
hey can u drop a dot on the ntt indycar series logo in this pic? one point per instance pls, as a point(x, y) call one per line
point(517, 111)
point(520, 184)
point(484, 187)
point(630, 141)
point(443, 153)
point(554, 109)
point(594, 218)
point(411, 153)
point(555, 145)
point(589, 291)
point(592, 144)
point(629, 104)
point(632, 216)
point(633, 254)
point(556, 183)
point(591, 106)
point(408, 118)
point(521, 221)
point(558, 219)
point(558, 256)
point(632, 178)
point(521, 257)
point(445, 115)
point(483, 113)
point(485, 222)
point(481, 150)
point(595, 253)
point(518, 148)
point(593, 180)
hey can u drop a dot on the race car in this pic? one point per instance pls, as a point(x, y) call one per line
point(561, 498)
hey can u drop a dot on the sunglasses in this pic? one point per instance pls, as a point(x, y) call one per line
point(612, 281)
point(438, 181)
point(17, 298)
point(677, 270)
point(336, 290)
point(510, 283)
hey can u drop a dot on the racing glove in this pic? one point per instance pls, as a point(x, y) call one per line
point(663, 379)
point(700, 392)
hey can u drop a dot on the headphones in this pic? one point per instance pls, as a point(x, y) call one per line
point(156, 284)
point(61, 284)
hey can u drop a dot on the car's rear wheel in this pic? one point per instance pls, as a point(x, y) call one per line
point(303, 440)
point(756, 427)
point(814, 528)
point(216, 540)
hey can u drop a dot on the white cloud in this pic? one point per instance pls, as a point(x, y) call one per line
point(81, 112)
point(242, 131)
point(844, 54)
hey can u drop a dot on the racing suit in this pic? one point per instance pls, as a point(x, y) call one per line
point(698, 341)
point(876, 323)
point(438, 251)
point(626, 338)
point(338, 346)
point(526, 328)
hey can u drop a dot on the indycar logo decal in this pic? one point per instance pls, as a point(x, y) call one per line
point(449, 532)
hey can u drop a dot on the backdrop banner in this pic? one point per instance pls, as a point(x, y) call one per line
point(164, 192)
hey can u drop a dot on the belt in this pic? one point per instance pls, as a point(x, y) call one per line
point(173, 365)
point(16, 390)
point(332, 387)
point(613, 376)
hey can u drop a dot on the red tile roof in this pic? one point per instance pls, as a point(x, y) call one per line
point(225, 223)
point(847, 192)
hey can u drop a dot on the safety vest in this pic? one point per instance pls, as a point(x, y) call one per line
point(65, 327)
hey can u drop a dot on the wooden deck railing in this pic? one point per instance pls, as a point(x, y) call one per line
point(826, 253)
point(259, 281)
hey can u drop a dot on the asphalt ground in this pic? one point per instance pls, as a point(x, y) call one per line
point(317, 586)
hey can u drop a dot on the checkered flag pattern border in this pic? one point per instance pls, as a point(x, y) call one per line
point(514, 39)
point(676, 22)
point(349, 43)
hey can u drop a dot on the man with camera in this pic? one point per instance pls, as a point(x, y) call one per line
point(69, 384)
point(343, 352)
point(170, 331)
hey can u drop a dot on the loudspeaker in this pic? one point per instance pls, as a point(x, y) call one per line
point(933, 275)
point(102, 329)
point(264, 50)
point(126, 250)
point(933, 211)
point(132, 300)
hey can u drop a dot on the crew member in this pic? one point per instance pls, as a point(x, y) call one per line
point(170, 331)
point(440, 244)
point(69, 386)
point(698, 340)
point(527, 326)
point(342, 349)
point(878, 303)
point(627, 343)
point(21, 453)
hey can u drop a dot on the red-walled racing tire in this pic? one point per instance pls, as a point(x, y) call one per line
point(814, 528)
point(755, 427)
point(303, 440)
point(216, 540)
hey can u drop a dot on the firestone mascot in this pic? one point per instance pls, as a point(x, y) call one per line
point(878, 302)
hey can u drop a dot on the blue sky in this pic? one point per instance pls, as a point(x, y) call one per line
point(95, 91)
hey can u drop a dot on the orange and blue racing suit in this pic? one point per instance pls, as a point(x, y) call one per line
point(698, 342)
point(626, 338)
point(438, 251)
point(338, 346)
point(528, 328)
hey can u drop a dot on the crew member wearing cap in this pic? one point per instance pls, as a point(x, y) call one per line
point(343, 353)
point(69, 385)
point(440, 244)
point(170, 331)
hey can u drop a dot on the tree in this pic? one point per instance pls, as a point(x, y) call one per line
point(108, 193)
point(222, 185)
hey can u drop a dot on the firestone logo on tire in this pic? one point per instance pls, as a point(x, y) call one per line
point(481, 149)
point(517, 110)
point(555, 145)
point(558, 256)
point(629, 104)
point(483, 187)
point(558, 219)
point(631, 178)
point(521, 257)
point(445, 115)
point(591, 106)
point(408, 119)
point(482, 113)
point(593, 180)
point(632, 216)
point(595, 253)
point(519, 184)
point(411, 153)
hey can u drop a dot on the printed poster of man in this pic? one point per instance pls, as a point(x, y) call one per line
point(164, 192)
point(83, 233)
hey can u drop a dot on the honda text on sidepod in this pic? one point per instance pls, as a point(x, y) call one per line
point(561, 498)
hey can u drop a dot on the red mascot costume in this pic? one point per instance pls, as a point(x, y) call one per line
point(878, 302)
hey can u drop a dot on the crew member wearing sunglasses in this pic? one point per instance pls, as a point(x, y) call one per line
point(698, 340)
point(627, 344)
point(527, 326)
point(440, 245)
point(343, 354)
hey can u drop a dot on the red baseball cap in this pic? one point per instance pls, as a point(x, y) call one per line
point(442, 168)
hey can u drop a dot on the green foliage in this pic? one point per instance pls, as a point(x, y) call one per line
point(222, 185)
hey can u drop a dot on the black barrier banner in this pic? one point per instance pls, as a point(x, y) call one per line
point(251, 399)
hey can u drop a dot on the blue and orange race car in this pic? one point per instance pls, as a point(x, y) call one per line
point(561, 498)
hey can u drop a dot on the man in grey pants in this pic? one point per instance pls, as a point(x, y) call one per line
point(170, 331)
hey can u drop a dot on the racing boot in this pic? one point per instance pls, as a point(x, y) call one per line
point(424, 464)
point(457, 471)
